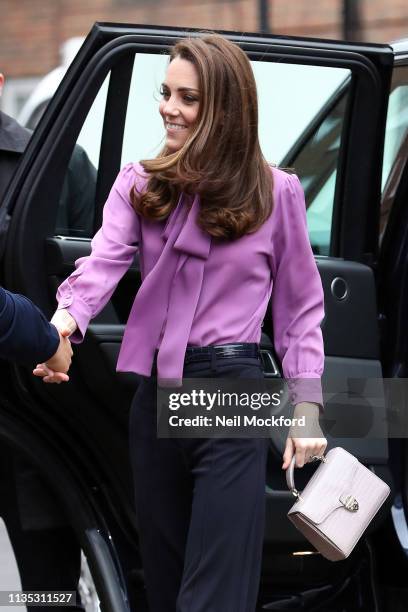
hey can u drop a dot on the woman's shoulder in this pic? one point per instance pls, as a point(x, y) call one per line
point(283, 176)
point(288, 197)
point(286, 185)
point(131, 175)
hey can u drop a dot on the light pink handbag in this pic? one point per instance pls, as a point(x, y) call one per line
point(338, 503)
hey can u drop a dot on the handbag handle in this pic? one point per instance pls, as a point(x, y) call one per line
point(290, 476)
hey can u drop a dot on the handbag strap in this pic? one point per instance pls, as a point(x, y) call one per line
point(290, 473)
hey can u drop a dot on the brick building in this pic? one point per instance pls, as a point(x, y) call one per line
point(33, 30)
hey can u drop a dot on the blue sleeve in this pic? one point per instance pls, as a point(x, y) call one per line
point(25, 334)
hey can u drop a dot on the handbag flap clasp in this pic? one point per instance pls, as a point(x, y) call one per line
point(349, 502)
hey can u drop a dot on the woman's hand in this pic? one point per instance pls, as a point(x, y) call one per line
point(48, 375)
point(55, 369)
point(304, 447)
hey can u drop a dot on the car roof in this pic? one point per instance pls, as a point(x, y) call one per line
point(400, 46)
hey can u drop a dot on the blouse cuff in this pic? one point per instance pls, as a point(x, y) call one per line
point(82, 314)
point(306, 387)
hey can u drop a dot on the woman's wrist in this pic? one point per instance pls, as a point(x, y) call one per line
point(63, 320)
point(306, 421)
point(309, 409)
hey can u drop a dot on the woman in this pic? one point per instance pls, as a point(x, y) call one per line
point(218, 231)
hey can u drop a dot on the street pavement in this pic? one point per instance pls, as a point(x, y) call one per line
point(9, 577)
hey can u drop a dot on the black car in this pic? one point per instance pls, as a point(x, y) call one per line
point(354, 174)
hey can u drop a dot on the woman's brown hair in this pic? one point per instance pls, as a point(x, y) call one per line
point(222, 160)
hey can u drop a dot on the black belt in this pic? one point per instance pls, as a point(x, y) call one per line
point(221, 351)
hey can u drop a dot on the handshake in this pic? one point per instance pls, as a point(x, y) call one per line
point(55, 369)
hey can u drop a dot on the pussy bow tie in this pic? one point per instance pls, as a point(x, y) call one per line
point(167, 300)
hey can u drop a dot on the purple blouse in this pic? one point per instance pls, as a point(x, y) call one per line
point(197, 291)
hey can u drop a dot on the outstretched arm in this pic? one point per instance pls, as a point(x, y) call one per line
point(25, 334)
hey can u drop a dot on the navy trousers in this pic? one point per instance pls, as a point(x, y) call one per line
point(200, 505)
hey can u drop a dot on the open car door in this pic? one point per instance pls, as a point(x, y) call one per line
point(323, 106)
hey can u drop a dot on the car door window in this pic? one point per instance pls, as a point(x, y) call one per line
point(396, 142)
point(302, 108)
point(396, 128)
point(76, 206)
point(144, 133)
point(291, 96)
point(316, 163)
